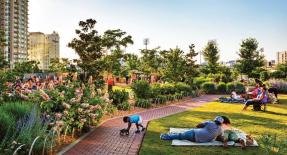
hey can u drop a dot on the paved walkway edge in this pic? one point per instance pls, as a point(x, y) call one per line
point(68, 147)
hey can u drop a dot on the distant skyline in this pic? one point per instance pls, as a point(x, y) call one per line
point(169, 23)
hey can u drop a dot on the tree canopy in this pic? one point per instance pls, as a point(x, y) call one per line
point(250, 57)
point(92, 47)
point(211, 56)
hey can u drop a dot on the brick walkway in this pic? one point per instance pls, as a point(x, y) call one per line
point(105, 140)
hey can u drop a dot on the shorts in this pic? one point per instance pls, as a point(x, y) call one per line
point(140, 120)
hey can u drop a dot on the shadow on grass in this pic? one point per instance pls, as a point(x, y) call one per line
point(275, 113)
point(238, 119)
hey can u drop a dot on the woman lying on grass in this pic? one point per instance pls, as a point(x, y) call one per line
point(205, 132)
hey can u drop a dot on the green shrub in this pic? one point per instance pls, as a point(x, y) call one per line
point(24, 131)
point(221, 88)
point(168, 89)
point(141, 89)
point(239, 88)
point(6, 121)
point(209, 87)
point(264, 76)
point(182, 87)
point(17, 109)
point(10, 113)
point(230, 87)
point(272, 145)
point(119, 96)
point(143, 103)
point(162, 99)
point(277, 75)
point(155, 90)
point(124, 106)
point(200, 80)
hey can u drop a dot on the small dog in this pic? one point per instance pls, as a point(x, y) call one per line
point(124, 132)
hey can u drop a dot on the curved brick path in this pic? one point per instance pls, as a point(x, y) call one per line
point(105, 140)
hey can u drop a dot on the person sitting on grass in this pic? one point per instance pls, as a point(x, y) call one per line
point(262, 98)
point(205, 132)
point(136, 119)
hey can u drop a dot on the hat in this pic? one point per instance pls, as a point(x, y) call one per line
point(219, 119)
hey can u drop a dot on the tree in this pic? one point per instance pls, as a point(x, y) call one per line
point(91, 46)
point(150, 61)
point(211, 56)
point(226, 74)
point(3, 63)
point(26, 67)
point(113, 62)
point(59, 65)
point(191, 67)
point(174, 65)
point(282, 68)
point(132, 61)
point(250, 57)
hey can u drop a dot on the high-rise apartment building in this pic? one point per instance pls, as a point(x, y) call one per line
point(281, 57)
point(43, 48)
point(14, 23)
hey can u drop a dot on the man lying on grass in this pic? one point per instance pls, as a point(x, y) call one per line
point(204, 132)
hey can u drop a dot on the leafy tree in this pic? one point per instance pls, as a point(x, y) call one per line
point(282, 68)
point(174, 65)
point(211, 56)
point(226, 74)
point(113, 62)
point(91, 46)
point(26, 67)
point(150, 61)
point(132, 61)
point(250, 57)
point(59, 65)
point(191, 66)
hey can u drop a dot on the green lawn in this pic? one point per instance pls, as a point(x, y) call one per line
point(273, 122)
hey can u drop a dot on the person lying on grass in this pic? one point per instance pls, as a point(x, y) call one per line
point(235, 135)
point(136, 119)
point(205, 132)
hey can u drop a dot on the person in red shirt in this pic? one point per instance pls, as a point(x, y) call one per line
point(110, 84)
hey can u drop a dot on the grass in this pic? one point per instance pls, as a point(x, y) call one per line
point(258, 124)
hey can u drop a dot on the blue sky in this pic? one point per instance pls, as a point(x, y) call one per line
point(170, 23)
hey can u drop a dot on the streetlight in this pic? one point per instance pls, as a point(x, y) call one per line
point(146, 42)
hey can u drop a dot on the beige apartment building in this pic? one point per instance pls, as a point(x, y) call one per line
point(14, 23)
point(43, 48)
point(281, 57)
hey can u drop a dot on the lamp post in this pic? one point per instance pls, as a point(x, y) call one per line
point(146, 42)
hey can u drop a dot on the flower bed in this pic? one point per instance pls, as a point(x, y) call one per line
point(57, 112)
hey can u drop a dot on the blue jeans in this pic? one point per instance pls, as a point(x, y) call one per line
point(188, 135)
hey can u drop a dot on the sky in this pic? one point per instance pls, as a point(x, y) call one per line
point(169, 23)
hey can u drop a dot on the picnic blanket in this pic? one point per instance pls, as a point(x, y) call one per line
point(230, 100)
point(189, 143)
